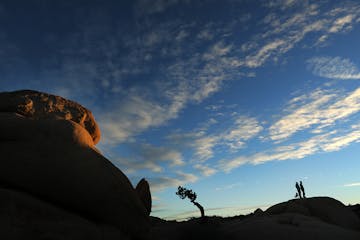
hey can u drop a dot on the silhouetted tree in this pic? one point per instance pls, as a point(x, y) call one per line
point(188, 193)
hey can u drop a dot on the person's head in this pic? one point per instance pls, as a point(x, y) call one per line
point(300, 182)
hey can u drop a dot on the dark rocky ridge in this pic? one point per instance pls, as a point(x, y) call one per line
point(319, 218)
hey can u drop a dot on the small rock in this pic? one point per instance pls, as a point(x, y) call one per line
point(258, 212)
point(143, 190)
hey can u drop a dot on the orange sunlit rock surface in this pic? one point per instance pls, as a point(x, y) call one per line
point(38, 105)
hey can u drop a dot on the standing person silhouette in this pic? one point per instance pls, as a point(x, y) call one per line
point(298, 189)
point(302, 189)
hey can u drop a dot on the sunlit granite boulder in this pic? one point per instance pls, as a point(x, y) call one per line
point(38, 105)
point(54, 159)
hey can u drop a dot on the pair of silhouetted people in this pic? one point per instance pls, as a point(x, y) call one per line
point(300, 190)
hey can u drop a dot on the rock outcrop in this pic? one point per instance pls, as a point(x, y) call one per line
point(54, 159)
point(286, 226)
point(143, 190)
point(315, 220)
point(327, 209)
point(355, 208)
point(37, 105)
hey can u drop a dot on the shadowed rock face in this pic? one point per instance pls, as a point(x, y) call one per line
point(37, 105)
point(143, 190)
point(327, 209)
point(25, 217)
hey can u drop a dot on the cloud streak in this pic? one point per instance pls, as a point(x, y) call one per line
point(149, 157)
point(134, 115)
point(329, 142)
point(320, 108)
point(355, 184)
point(205, 170)
point(285, 31)
point(233, 137)
point(160, 183)
point(152, 7)
point(334, 68)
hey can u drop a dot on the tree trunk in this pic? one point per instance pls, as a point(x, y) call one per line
point(200, 208)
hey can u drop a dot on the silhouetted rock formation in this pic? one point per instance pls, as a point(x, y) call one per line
point(258, 212)
point(37, 105)
point(327, 209)
point(54, 159)
point(355, 208)
point(279, 222)
point(143, 190)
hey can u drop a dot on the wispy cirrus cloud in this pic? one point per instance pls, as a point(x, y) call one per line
point(229, 186)
point(204, 147)
point(133, 115)
point(205, 170)
point(163, 182)
point(329, 118)
point(153, 7)
point(265, 52)
point(341, 22)
point(334, 68)
point(327, 142)
point(282, 4)
point(149, 157)
point(355, 184)
point(286, 31)
point(243, 129)
point(233, 137)
point(319, 108)
point(344, 19)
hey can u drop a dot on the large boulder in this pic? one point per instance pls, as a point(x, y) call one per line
point(56, 161)
point(325, 208)
point(143, 190)
point(38, 105)
point(53, 160)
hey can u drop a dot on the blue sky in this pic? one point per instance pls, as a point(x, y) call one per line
point(234, 99)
